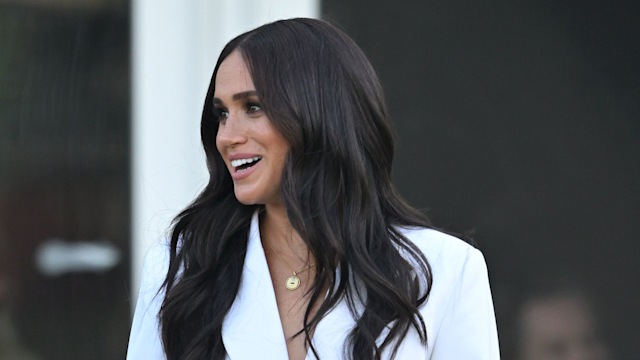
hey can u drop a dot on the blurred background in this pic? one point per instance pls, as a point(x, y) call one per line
point(518, 124)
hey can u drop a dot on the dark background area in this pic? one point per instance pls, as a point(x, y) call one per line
point(520, 122)
point(64, 174)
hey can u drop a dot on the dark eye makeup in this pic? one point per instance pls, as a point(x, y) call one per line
point(220, 113)
point(252, 107)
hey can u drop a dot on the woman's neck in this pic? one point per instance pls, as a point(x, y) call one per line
point(276, 229)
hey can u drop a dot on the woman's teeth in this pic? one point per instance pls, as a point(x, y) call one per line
point(240, 162)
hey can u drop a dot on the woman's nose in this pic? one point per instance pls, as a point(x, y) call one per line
point(230, 132)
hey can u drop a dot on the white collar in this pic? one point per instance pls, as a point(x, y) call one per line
point(252, 328)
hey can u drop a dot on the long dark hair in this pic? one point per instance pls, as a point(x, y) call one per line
point(320, 91)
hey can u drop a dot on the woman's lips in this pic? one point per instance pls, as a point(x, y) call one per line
point(240, 172)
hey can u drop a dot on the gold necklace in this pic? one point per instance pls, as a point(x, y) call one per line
point(293, 281)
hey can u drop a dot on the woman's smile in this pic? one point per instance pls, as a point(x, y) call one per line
point(242, 166)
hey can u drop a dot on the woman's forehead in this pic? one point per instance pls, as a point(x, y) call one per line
point(233, 76)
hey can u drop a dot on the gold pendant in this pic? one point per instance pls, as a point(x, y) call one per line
point(293, 282)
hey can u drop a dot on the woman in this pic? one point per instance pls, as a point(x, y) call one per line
point(299, 246)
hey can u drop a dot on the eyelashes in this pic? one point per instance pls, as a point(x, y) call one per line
point(251, 108)
point(220, 113)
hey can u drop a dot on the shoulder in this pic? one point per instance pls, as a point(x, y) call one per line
point(457, 268)
point(145, 338)
point(154, 271)
point(458, 313)
point(440, 249)
point(459, 310)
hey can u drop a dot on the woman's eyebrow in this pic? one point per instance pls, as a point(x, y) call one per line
point(244, 94)
point(236, 97)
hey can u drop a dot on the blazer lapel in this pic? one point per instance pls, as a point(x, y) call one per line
point(252, 328)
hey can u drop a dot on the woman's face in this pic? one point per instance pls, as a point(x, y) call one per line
point(253, 150)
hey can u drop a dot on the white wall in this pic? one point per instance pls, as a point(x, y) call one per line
point(175, 46)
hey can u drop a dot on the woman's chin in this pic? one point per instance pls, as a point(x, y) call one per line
point(244, 200)
point(247, 197)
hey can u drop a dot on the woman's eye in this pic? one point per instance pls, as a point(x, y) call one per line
point(220, 114)
point(253, 108)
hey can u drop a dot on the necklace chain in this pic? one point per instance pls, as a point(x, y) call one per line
point(293, 281)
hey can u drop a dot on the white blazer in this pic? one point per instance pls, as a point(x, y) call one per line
point(458, 314)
